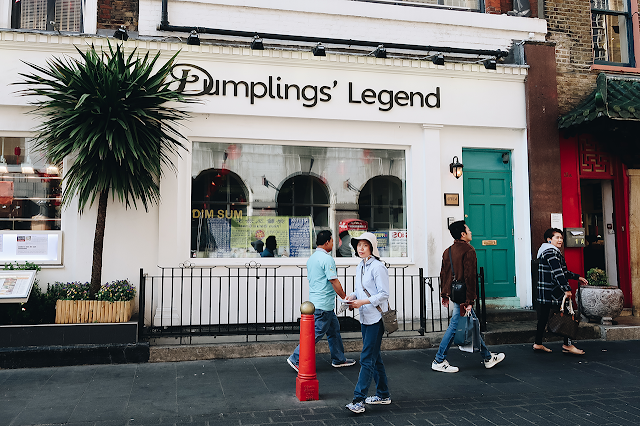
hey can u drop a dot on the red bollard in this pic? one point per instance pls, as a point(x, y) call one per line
point(306, 382)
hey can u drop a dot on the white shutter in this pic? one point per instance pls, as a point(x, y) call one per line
point(68, 15)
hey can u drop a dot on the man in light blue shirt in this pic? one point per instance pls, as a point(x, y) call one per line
point(323, 286)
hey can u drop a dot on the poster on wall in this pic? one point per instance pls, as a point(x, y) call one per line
point(32, 244)
point(41, 247)
point(300, 237)
point(398, 242)
point(15, 286)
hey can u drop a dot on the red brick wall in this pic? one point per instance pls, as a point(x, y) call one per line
point(569, 26)
point(114, 13)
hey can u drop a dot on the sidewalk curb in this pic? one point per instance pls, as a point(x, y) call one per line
point(278, 348)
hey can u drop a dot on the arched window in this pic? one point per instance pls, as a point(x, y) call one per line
point(381, 203)
point(305, 195)
point(217, 197)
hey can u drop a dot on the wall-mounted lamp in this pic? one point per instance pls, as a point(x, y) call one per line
point(380, 51)
point(348, 185)
point(505, 158)
point(438, 59)
point(121, 33)
point(52, 169)
point(256, 43)
point(193, 39)
point(456, 167)
point(318, 50)
point(490, 63)
point(265, 182)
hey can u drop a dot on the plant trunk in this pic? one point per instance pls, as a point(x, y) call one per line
point(98, 244)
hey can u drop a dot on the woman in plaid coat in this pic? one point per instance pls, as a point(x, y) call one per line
point(553, 285)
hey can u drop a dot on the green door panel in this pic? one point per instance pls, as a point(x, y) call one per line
point(488, 206)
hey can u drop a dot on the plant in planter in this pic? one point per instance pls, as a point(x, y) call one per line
point(600, 301)
point(114, 302)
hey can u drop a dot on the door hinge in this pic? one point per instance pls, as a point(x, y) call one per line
point(511, 185)
point(514, 279)
point(512, 234)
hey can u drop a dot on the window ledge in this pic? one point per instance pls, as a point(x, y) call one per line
point(616, 68)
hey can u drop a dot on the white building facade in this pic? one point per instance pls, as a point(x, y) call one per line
point(286, 143)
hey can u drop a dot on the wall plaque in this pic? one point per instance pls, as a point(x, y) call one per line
point(451, 199)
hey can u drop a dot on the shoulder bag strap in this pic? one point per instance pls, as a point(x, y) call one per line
point(365, 290)
point(451, 263)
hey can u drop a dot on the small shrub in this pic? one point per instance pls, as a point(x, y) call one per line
point(116, 291)
point(597, 277)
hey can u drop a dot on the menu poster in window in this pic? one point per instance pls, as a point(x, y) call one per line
point(251, 228)
point(398, 242)
point(15, 286)
point(32, 244)
point(383, 242)
point(300, 243)
point(219, 236)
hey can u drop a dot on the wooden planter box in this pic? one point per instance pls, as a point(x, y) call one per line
point(87, 311)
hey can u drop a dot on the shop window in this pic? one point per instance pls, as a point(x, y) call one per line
point(47, 15)
point(612, 32)
point(30, 189)
point(283, 195)
point(218, 195)
point(305, 195)
point(381, 205)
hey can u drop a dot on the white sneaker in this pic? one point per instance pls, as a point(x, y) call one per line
point(495, 358)
point(376, 400)
point(444, 367)
point(295, 367)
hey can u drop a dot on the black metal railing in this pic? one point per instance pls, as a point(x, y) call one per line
point(253, 300)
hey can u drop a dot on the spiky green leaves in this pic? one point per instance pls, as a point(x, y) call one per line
point(108, 112)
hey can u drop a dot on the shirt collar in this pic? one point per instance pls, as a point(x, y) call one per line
point(322, 250)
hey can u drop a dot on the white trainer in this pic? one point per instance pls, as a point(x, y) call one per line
point(495, 359)
point(444, 367)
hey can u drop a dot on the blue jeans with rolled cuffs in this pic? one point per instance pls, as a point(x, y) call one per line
point(447, 340)
point(371, 365)
point(326, 322)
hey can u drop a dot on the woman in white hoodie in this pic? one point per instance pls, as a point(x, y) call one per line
point(553, 285)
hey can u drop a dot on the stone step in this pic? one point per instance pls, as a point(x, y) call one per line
point(510, 315)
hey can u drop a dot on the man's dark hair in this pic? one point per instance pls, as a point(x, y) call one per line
point(548, 234)
point(457, 228)
point(271, 243)
point(323, 237)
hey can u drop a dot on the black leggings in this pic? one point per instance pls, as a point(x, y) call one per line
point(544, 309)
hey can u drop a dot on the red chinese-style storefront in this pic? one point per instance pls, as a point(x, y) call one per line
point(595, 196)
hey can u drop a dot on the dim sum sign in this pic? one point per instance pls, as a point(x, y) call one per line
point(197, 81)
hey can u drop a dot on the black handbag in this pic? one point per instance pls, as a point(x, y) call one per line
point(564, 323)
point(458, 288)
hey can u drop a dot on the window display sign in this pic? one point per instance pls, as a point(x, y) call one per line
point(41, 247)
point(234, 238)
point(15, 286)
point(398, 238)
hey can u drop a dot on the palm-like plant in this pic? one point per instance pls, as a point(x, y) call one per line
point(107, 112)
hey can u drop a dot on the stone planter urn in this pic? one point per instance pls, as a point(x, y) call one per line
point(601, 303)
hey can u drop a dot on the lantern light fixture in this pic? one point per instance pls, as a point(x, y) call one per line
point(456, 167)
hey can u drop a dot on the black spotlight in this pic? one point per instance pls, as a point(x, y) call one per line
point(490, 63)
point(121, 34)
point(256, 43)
point(318, 50)
point(380, 52)
point(193, 39)
point(438, 59)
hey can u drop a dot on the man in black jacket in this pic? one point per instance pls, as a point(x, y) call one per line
point(465, 265)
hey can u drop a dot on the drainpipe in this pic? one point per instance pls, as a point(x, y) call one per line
point(164, 22)
point(164, 26)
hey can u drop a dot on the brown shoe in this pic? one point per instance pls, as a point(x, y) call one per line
point(542, 349)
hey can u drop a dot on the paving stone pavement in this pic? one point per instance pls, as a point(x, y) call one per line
point(601, 388)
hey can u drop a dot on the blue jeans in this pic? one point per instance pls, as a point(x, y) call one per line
point(447, 340)
point(326, 322)
point(371, 366)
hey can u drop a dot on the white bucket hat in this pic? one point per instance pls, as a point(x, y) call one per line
point(369, 237)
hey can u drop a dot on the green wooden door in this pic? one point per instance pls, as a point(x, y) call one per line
point(488, 208)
